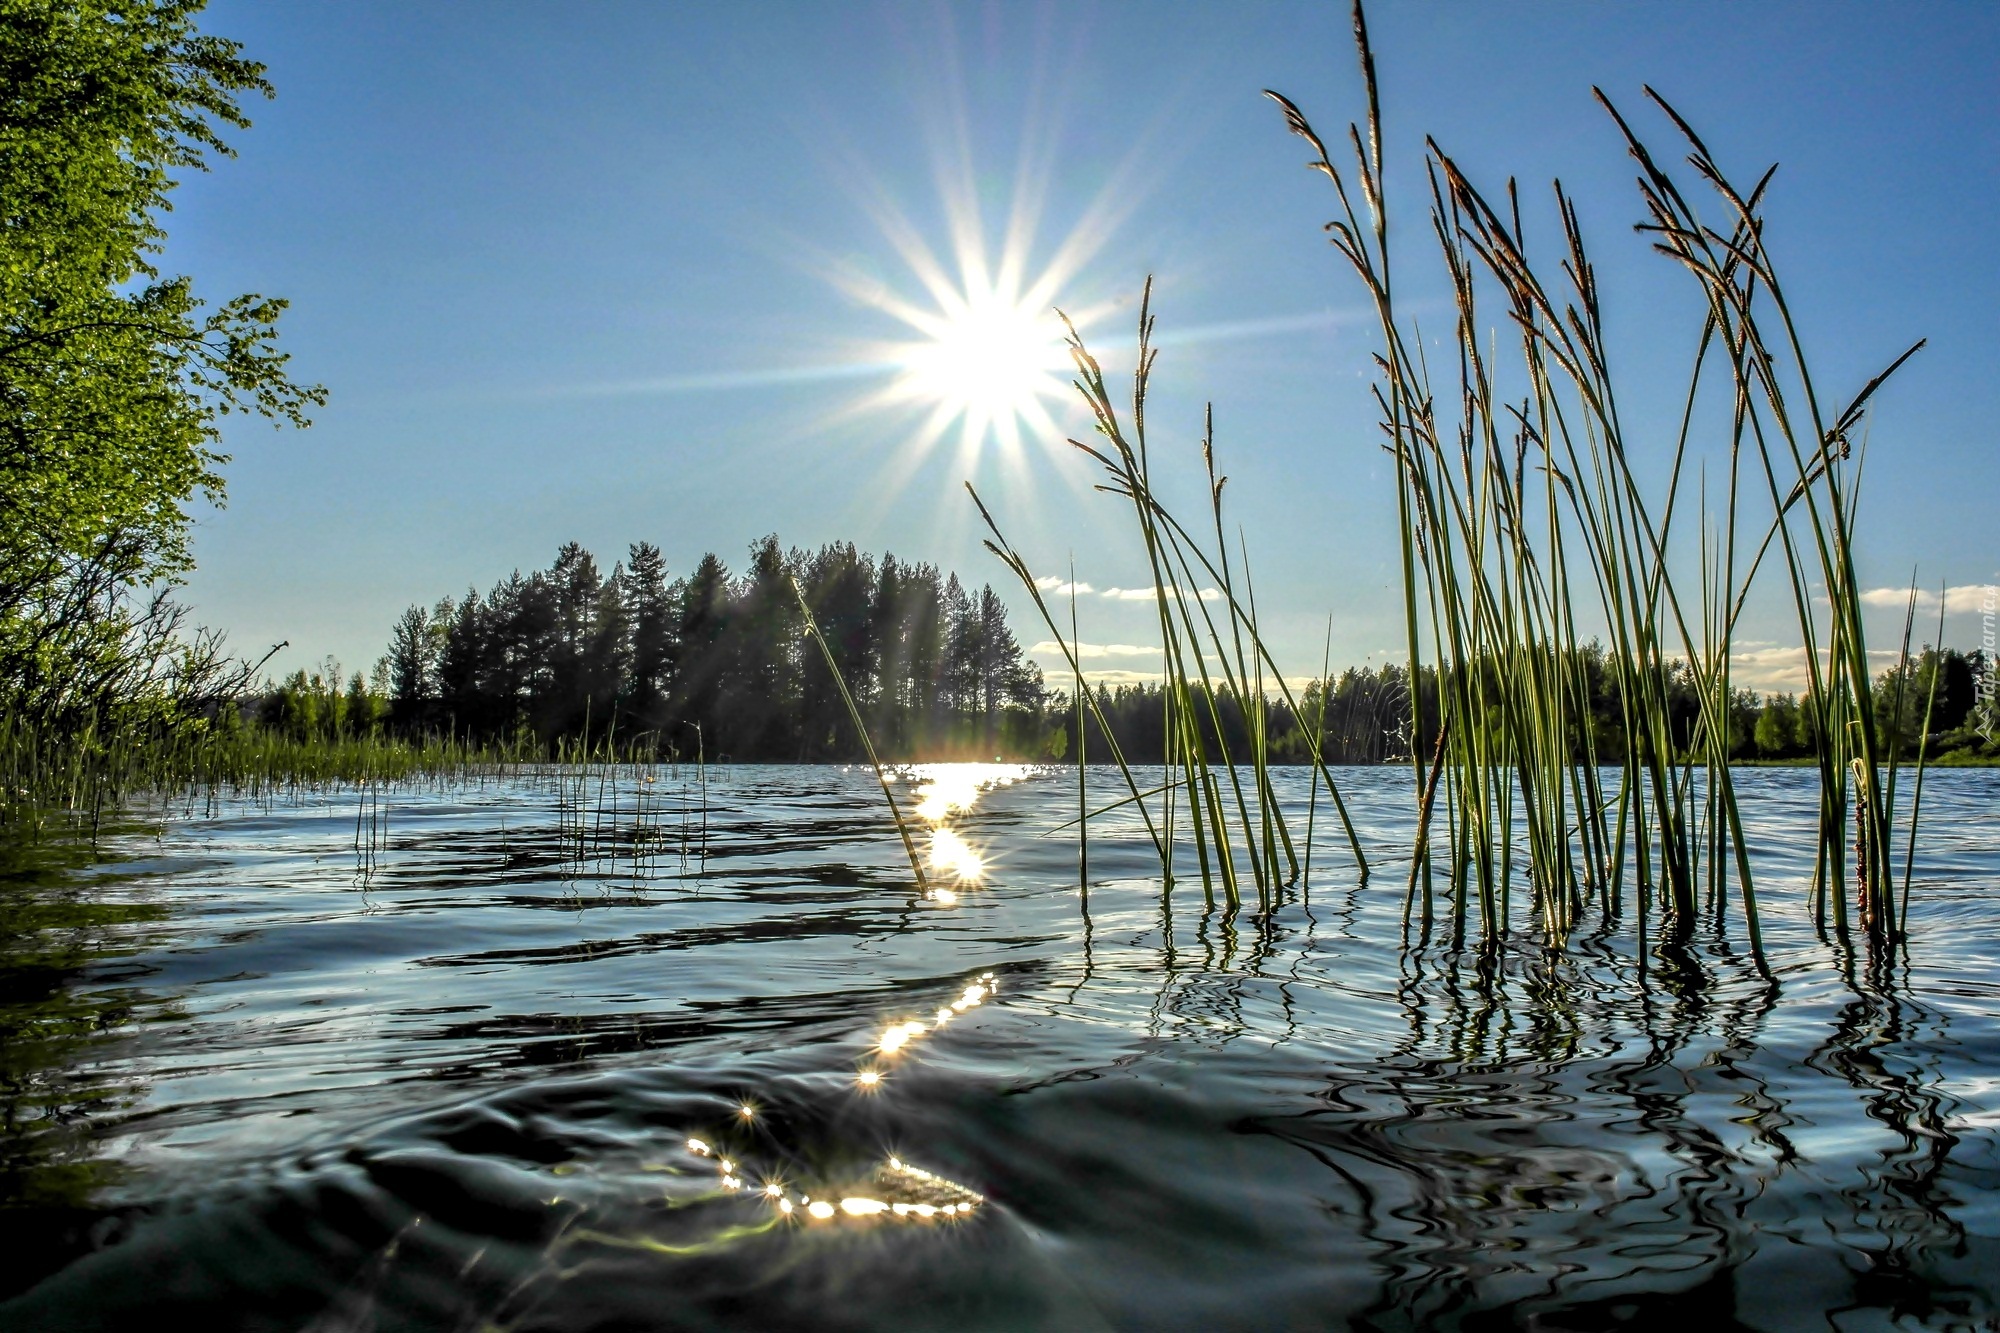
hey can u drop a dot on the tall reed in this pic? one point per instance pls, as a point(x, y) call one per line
point(1215, 657)
point(861, 729)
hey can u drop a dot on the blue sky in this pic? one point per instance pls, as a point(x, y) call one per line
point(621, 272)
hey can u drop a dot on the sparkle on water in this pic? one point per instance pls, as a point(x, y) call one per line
point(951, 853)
point(944, 793)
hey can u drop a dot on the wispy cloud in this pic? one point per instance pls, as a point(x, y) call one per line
point(1050, 648)
point(1058, 586)
point(714, 381)
point(1147, 594)
point(1231, 330)
point(1966, 597)
point(1118, 676)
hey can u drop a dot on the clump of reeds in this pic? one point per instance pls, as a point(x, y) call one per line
point(1526, 528)
point(1524, 520)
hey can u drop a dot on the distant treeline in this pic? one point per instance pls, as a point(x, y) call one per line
point(718, 664)
point(1366, 717)
point(709, 663)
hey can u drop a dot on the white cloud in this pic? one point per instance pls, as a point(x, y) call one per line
point(1087, 652)
point(1116, 676)
point(1148, 594)
point(1777, 669)
point(1050, 648)
point(1965, 598)
point(1771, 669)
point(1061, 587)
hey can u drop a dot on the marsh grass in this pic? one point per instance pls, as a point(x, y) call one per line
point(67, 778)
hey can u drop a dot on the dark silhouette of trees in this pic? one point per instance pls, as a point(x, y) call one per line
point(1365, 715)
point(718, 663)
point(654, 645)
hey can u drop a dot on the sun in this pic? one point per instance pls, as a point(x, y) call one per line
point(973, 292)
point(987, 358)
point(981, 352)
point(990, 361)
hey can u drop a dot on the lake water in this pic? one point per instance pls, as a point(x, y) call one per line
point(540, 1053)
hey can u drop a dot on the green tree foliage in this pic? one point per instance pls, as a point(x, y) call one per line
point(1778, 732)
point(1958, 723)
point(114, 377)
point(311, 706)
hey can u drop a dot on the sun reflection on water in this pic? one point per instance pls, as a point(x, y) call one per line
point(944, 790)
point(895, 1191)
point(954, 855)
point(944, 793)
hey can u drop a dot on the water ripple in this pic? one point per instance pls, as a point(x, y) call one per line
point(434, 1059)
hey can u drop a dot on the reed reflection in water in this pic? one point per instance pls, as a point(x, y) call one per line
point(453, 1081)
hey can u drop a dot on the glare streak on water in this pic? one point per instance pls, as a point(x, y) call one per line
point(442, 1059)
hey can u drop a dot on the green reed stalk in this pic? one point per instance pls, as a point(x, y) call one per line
point(1318, 738)
point(1213, 670)
point(1008, 556)
point(1082, 763)
point(854, 713)
point(1189, 556)
point(1923, 753)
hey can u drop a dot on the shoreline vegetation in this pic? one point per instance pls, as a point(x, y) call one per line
point(312, 730)
point(714, 664)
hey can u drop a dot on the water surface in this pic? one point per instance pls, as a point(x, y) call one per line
point(550, 1052)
